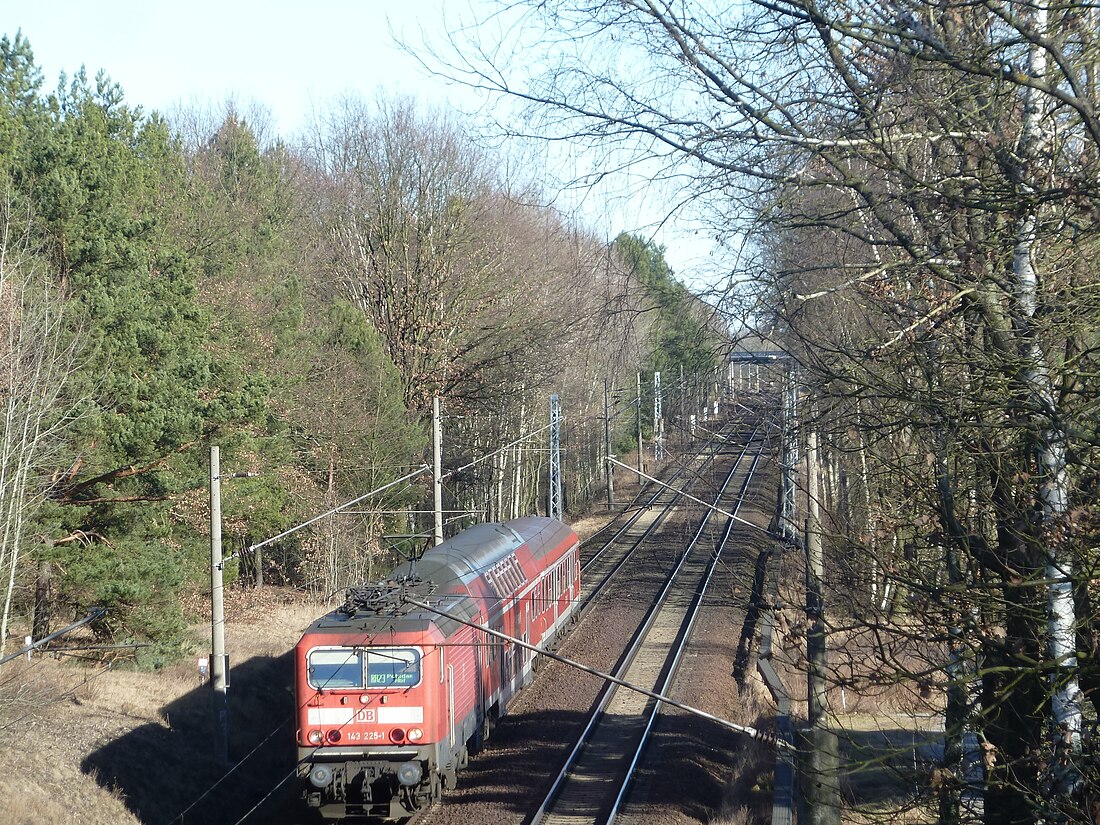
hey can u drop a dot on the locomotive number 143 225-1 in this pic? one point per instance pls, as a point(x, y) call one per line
point(364, 736)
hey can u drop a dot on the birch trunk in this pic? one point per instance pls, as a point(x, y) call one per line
point(870, 525)
point(1054, 484)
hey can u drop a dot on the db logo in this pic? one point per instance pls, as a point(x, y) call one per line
point(364, 715)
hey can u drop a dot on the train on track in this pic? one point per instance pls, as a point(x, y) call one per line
point(392, 698)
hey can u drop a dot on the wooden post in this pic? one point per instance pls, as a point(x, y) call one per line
point(43, 601)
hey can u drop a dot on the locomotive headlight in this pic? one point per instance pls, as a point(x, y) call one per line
point(415, 734)
point(409, 774)
point(314, 737)
point(320, 776)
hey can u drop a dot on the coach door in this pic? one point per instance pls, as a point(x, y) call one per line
point(556, 590)
point(526, 637)
point(451, 702)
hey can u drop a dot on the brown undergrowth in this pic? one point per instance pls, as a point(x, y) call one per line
point(748, 796)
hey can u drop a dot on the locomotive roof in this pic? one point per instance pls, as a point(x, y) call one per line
point(410, 620)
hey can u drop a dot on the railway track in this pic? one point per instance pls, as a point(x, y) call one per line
point(629, 533)
point(593, 782)
point(601, 567)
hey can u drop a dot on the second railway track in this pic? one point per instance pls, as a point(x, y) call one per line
point(592, 784)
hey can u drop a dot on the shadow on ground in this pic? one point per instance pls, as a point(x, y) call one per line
point(689, 767)
point(169, 774)
point(888, 769)
point(523, 756)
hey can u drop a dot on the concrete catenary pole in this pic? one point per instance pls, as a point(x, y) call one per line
point(820, 746)
point(788, 520)
point(219, 663)
point(683, 409)
point(437, 469)
point(658, 421)
point(607, 445)
point(641, 454)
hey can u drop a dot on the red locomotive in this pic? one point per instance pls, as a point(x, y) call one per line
point(392, 698)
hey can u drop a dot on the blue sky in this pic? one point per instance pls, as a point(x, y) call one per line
point(276, 52)
point(291, 58)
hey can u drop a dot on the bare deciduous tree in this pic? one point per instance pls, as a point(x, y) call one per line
point(482, 295)
point(36, 356)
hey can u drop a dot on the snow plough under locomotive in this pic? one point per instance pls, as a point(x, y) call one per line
point(392, 698)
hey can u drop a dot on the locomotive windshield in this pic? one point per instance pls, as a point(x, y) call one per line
point(340, 668)
point(363, 668)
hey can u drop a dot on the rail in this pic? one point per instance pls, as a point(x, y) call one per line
point(604, 564)
point(685, 637)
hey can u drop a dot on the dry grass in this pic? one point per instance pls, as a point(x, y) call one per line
point(747, 798)
point(737, 816)
point(44, 708)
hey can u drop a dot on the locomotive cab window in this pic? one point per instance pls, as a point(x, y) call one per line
point(335, 668)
